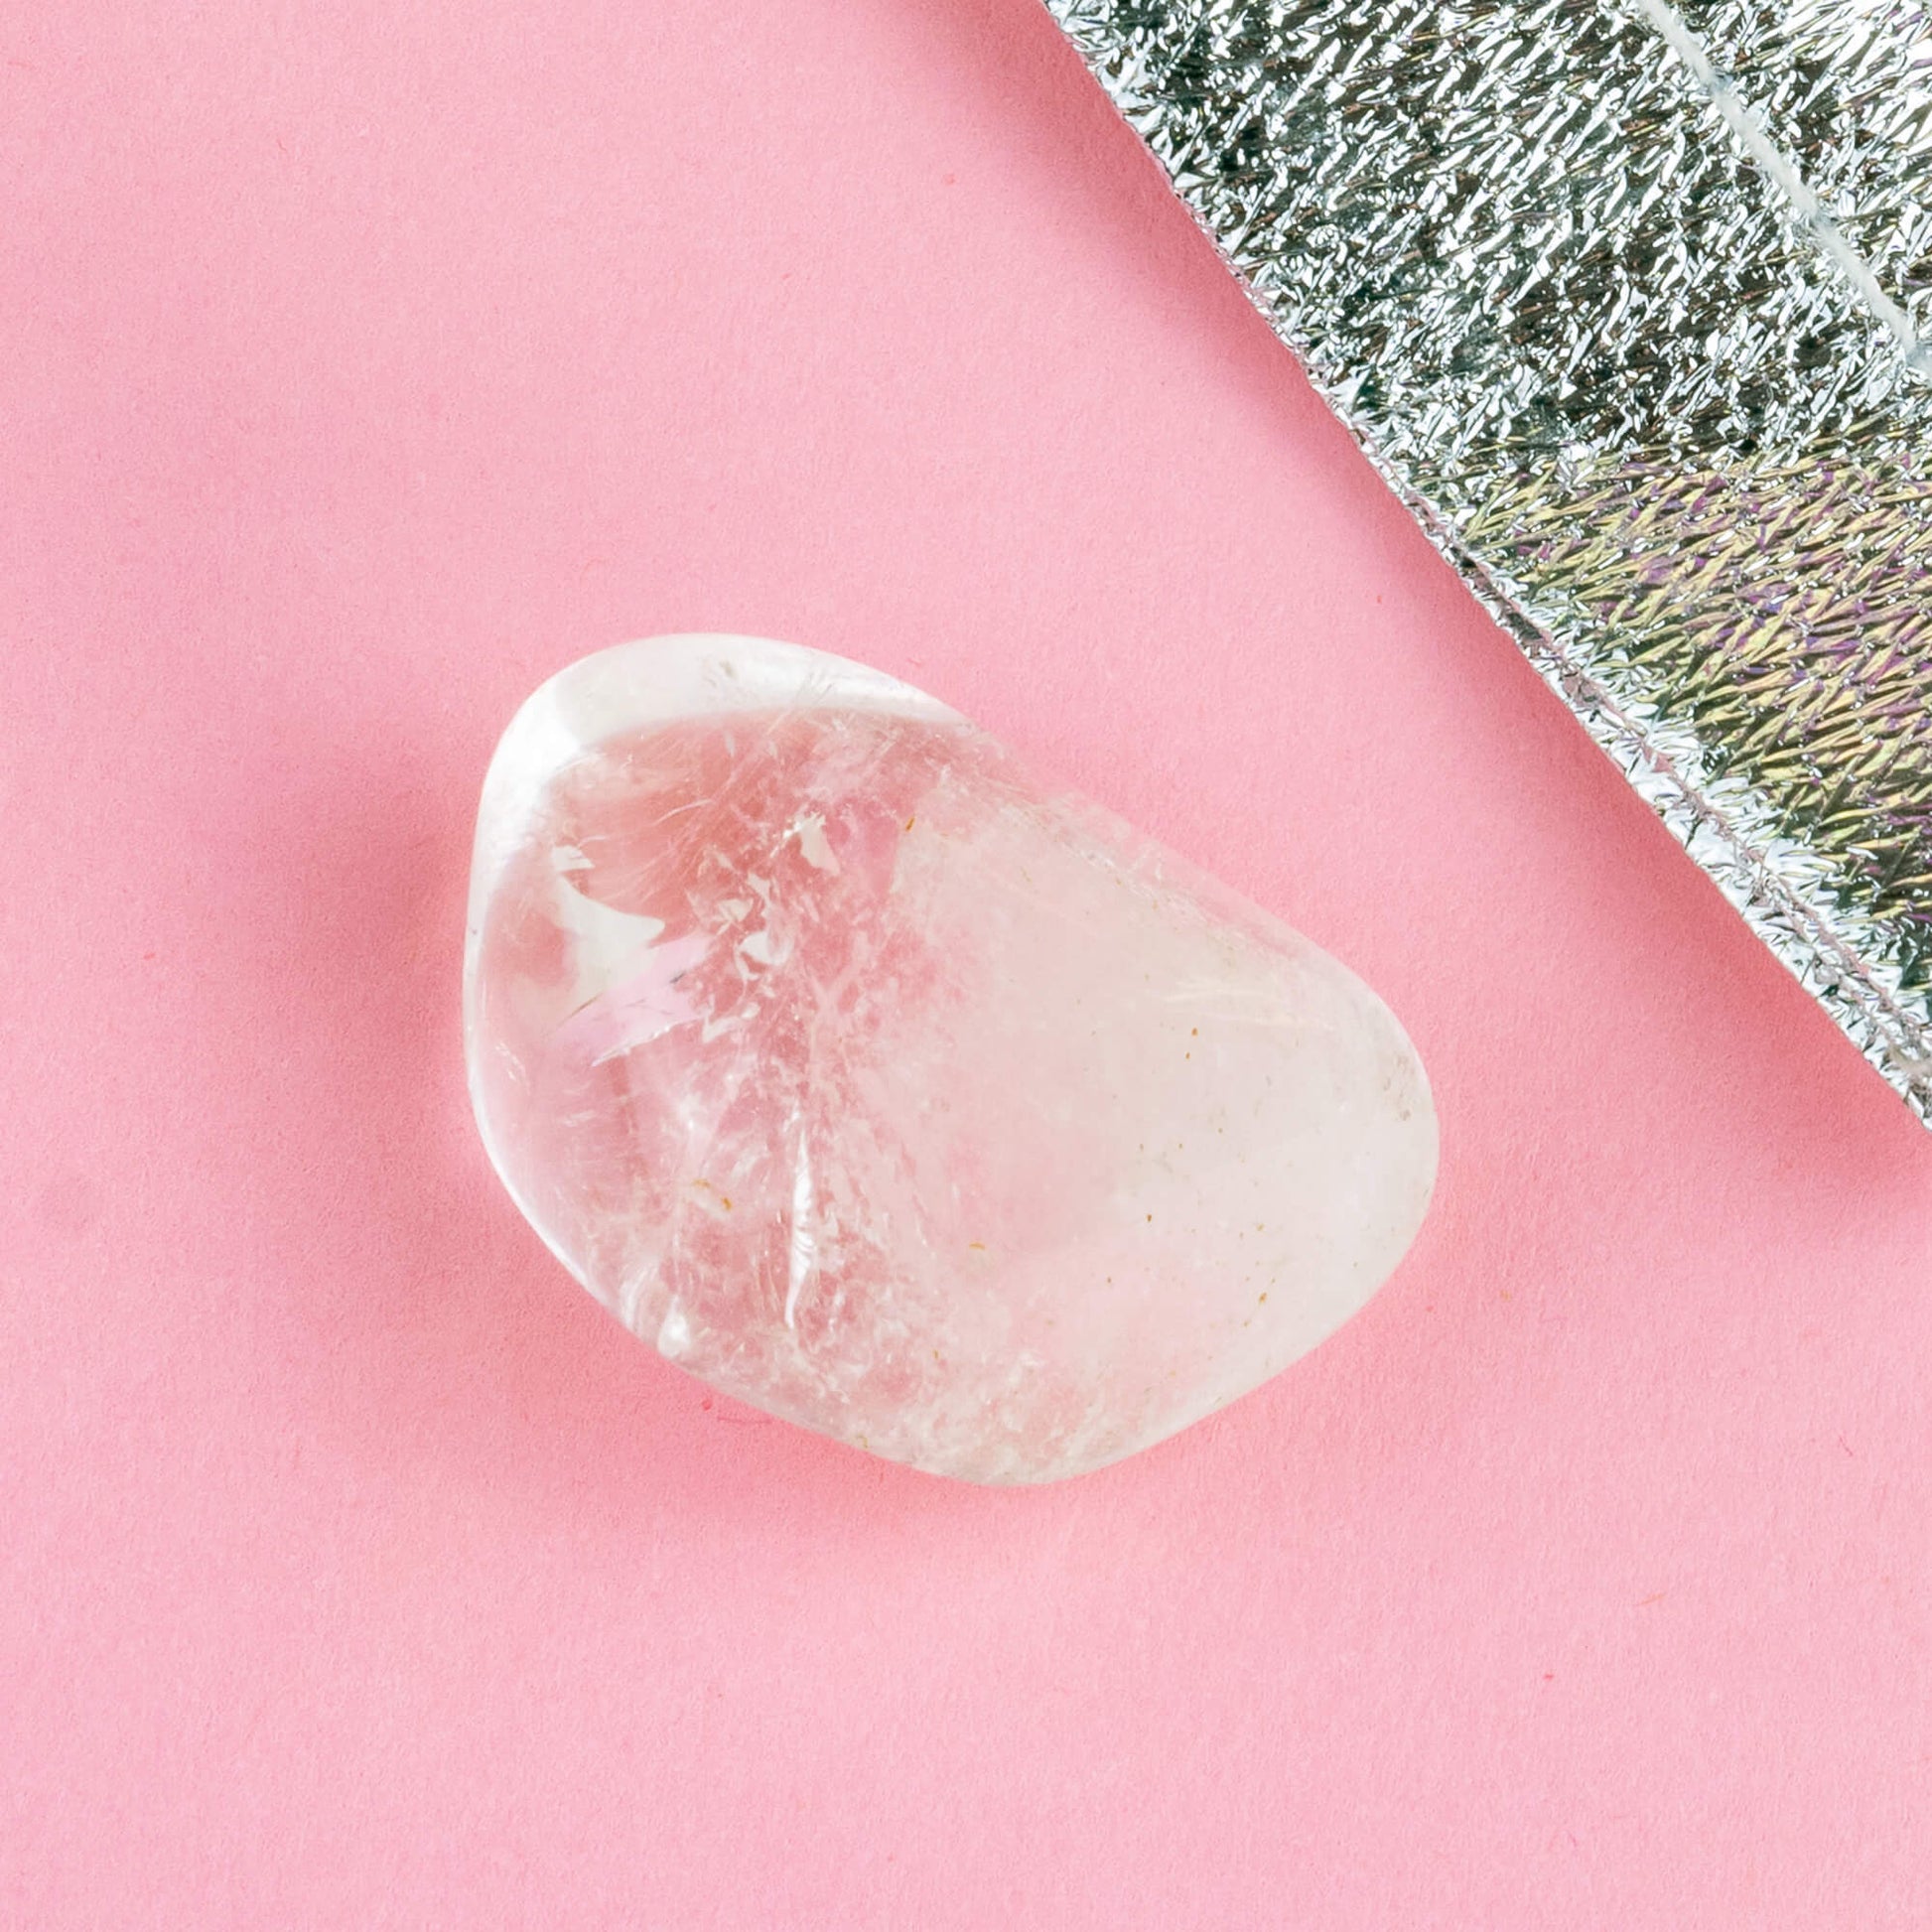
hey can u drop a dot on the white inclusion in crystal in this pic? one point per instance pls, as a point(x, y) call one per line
point(603, 940)
point(803, 1242)
point(674, 1333)
point(809, 830)
point(640, 1007)
point(762, 949)
point(631, 1291)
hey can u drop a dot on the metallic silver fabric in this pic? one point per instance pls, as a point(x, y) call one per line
point(1628, 299)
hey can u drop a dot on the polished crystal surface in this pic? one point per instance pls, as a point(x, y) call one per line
point(886, 1087)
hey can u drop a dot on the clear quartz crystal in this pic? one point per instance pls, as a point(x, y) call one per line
point(878, 1084)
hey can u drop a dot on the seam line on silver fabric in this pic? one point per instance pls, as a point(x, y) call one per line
point(1807, 209)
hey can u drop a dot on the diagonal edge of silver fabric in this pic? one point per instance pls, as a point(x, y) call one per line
point(1627, 301)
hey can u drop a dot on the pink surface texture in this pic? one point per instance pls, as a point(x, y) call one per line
point(364, 364)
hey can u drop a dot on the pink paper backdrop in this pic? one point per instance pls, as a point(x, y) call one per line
point(362, 364)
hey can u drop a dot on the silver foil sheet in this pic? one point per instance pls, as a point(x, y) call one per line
point(1628, 299)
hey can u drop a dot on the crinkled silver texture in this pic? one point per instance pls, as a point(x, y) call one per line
point(1627, 298)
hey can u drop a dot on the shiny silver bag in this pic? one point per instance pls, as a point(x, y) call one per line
point(1626, 300)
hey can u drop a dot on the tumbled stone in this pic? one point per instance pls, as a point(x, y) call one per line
point(886, 1087)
